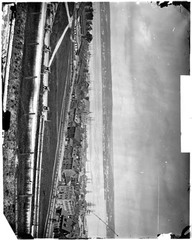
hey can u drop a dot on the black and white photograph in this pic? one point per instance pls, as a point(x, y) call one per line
point(95, 100)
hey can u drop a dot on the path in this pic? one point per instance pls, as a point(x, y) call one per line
point(70, 19)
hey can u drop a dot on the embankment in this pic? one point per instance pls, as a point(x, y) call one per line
point(13, 96)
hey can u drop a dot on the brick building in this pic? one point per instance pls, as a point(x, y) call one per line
point(66, 192)
point(67, 163)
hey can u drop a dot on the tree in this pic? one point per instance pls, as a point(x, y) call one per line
point(88, 37)
point(90, 204)
point(89, 15)
point(88, 28)
point(89, 4)
point(89, 211)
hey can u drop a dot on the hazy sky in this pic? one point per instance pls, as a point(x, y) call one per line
point(149, 53)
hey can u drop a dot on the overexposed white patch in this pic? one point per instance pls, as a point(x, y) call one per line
point(144, 34)
point(164, 236)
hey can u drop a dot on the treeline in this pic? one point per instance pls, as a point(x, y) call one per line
point(86, 13)
point(89, 19)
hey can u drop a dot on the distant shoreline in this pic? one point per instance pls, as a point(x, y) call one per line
point(107, 107)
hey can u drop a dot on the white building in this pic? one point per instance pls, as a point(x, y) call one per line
point(67, 205)
point(66, 198)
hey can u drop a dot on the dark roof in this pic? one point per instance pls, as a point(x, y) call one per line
point(77, 136)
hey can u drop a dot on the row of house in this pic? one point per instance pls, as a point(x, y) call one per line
point(66, 198)
point(66, 222)
point(63, 222)
point(79, 110)
point(75, 134)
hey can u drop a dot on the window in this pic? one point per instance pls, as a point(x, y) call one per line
point(60, 196)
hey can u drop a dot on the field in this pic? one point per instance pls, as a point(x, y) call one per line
point(57, 84)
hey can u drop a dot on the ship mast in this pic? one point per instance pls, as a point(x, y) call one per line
point(105, 223)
